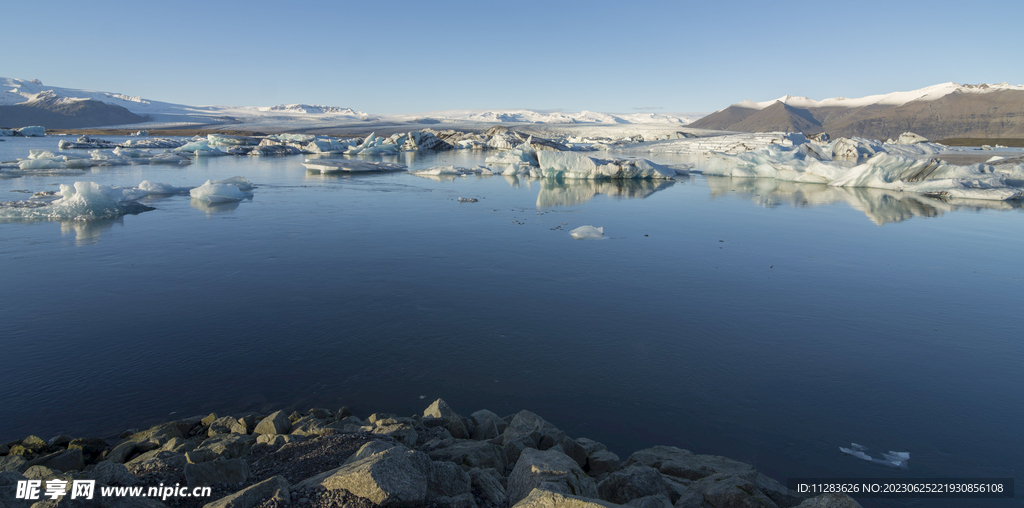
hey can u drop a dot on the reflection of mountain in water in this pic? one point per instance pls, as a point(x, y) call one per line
point(880, 206)
point(573, 192)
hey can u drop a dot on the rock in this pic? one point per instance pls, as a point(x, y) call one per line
point(321, 413)
point(686, 464)
point(92, 448)
point(142, 442)
point(343, 413)
point(539, 498)
point(208, 420)
point(439, 413)
point(602, 461)
point(221, 425)
point(651, 502)
point(368, 449)
point(60, 441)
point(254, 496)
point(217, 471)
point(724, 491)
point(676, 486)
point(830, 501)
point(66, 460)
point(228, 446)
point(179, 445)
point(777, 492)
point(631, 483)
point(15, 463)
point(488, 486)
point(41, 473)
point(527, 430)
point(111, 473)
point(309, 426)
point(447, 480)
point(487, 425)
point(8, 490)
point(158, 461)
point(278, 439)
point(550, 470)
point(397, 476)
point(242, 425)
point(468, 453)
point(590, 446)
point(401, 432)
point(570, 447)
point(276, 423)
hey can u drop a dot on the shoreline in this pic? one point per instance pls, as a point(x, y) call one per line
point(324, 458)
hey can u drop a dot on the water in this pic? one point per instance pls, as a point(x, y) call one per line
point(768, 322)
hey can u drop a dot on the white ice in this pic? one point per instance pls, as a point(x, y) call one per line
point(892, 459)
point(587, 232)
point(576, 165)
point(223, 191)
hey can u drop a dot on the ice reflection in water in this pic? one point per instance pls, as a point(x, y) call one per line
point(574, 192)
point(880, 206)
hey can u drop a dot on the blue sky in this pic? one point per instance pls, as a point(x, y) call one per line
point(404, 57)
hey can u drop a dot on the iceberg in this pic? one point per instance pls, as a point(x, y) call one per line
point(85, 142)
point(223, 191)
point(33, 131)
point(451, 170)
point(349, 166)
point(226, 140)
point(587, 232)
point(81, 201)
point(576, 165)
point(892, 459)
point(522, 155)
point(153, 143)
point(935, 178)
point(374, 144)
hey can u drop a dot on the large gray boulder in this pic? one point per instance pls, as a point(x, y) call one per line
point(439, 414)
point(527, 430)
point(724, 491)
point(686, 464)
point(549, 470)
point(488, 486)
point(449, 485)
point(631, 483)
point(487, 425)
point(145, 441)
point(397, 476)
point(467, 453)
point(276, 487)
point(540, 498)
point(14, 463)
point(830, 501)
point(111, 473)
point(402, 432)
point(276, 423)
point(217, 471)
point(228, 446)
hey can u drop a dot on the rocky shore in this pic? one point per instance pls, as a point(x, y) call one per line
point(331, 458)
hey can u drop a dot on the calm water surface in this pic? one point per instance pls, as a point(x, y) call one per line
point(765, 321)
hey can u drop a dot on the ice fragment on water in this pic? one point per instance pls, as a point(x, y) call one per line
point(892, 459)
point(585, 232)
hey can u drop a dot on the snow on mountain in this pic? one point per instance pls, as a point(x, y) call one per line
point(928, 93)
point(555, 117)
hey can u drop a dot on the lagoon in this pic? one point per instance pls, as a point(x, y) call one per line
point(769, 322)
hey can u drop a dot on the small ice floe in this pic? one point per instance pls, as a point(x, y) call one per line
point(451, 170)
point(349, 166)
point(587, 232)
point(892, 459)
point(223, 191)
point(467, 200)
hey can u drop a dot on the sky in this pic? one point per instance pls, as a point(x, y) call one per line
point(407, 57)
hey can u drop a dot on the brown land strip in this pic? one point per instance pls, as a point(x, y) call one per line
point(1014, 142)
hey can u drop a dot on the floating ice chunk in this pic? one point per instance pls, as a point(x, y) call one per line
point(300, 138)
point(223, 191)
point(892, 459)
point(909, 138)
point(162, 188)
point(6, 132)
point(140, 133)
point(85, 142)
point(587, 232)
point(34, 130)
point(855, 148)
point(226, 140)
point(451, 170)
point(81, 201)
point(522, 154)
point(349, 166)
point(467, 200)
point(933, 177)
point(575, 165)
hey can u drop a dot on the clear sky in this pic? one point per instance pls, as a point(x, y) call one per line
point(404, 57)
